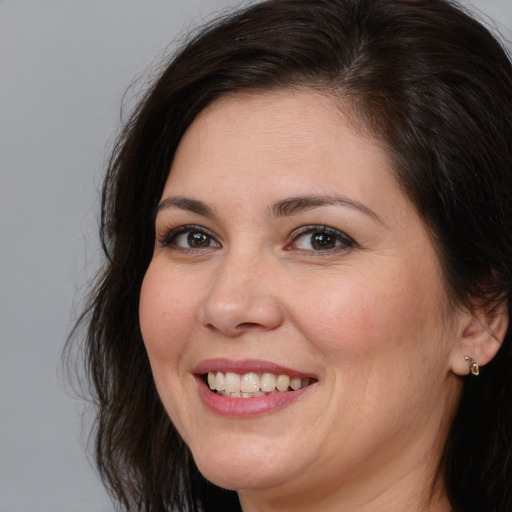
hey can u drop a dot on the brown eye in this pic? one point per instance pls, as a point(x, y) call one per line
point(320, 238)
point(189, 237)
point(198, 240)
point(322, 241)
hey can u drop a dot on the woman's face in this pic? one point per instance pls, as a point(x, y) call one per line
point(286, 248)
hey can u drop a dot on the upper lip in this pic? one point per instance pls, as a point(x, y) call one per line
point(247, 366)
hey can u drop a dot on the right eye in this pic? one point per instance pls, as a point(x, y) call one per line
point(189, 238)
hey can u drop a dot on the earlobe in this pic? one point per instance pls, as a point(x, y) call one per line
point(480, 336)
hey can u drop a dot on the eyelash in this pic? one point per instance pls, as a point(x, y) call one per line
point(342, 241)
point(169, 239)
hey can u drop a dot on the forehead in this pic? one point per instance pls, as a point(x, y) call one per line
point(295, 116)
point(294, 137)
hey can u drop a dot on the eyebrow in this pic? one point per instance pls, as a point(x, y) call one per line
point(185, 203)
point(282, 208)
point(294, 205)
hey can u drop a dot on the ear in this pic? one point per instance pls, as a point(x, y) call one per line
point(479, 336)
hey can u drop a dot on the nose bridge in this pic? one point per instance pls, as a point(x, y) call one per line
point(242, 293)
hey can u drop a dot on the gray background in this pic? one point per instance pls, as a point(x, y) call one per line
point(64, 67)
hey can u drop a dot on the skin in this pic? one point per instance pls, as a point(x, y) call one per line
point(368, 319)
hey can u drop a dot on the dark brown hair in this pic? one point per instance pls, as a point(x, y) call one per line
point(429, 82)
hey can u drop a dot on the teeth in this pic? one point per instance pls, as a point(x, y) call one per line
point(282, 383)
point(220, 382)
point(268, 382)
point(251, 385)
point(232, 382)
point(295, 383)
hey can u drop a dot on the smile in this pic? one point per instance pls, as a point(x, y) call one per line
point(250, 387)
point(253, 385)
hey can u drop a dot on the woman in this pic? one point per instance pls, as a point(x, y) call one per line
point(308, 228)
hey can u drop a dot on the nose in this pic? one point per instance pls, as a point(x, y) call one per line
point(242, 297)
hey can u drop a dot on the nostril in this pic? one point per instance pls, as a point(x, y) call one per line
point(248, 325)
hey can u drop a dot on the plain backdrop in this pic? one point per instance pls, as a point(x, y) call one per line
point(65, 66)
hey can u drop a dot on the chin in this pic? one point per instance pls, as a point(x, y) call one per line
point(257, 468)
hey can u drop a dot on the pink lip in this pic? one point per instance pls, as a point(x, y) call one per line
point(246, 407)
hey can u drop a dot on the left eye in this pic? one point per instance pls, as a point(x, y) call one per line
point(193, 239)
point(321, 238)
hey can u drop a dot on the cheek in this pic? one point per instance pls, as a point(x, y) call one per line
point(365, 317)
point(166, 314)
point(373, 337)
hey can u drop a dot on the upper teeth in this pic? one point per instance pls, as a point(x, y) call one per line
point(252, 384)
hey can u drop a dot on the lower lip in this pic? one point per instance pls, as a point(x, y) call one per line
point(247, 407)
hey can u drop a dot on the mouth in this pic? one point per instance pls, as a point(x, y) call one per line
point(253, 384)
point(249, 388)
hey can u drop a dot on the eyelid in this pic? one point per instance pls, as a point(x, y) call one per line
point(166, 240)
point(346, 240)
point(169, 236)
